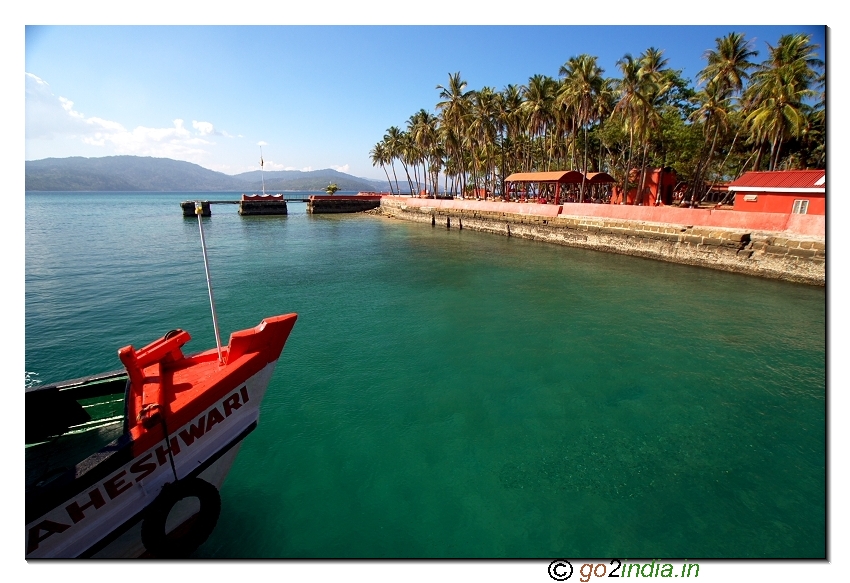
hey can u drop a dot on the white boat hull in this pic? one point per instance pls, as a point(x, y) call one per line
point(105, 520)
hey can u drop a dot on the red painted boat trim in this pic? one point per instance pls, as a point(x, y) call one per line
point(166, 385)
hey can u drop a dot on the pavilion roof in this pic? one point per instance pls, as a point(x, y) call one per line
point(599, 178)
point(569, 176)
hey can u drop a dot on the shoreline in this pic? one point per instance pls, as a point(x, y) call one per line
point(786, 255)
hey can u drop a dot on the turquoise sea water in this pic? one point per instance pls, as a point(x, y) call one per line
point(455, 394)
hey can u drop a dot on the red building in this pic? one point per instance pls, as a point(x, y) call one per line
point(657, 190)
point(789, 192)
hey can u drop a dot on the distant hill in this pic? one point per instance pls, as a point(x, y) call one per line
point(135, 173)
point(312, 180)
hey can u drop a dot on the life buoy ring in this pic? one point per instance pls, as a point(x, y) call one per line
point(184, 539)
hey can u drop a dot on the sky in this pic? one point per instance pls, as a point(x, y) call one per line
point(312, 96)
point(320, 94)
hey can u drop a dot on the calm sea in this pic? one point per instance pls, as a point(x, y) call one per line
point(456, 394)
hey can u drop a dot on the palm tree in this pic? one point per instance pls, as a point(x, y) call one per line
point(714, 113)
point(728, 65)
point(482, 131)
point(603, 108)
point(539, 100)
point(380, 156)
point(630, 108)
point(454, 112)
point(422, 126)
point(393, 143)
point(582, 87)
point(656, 80)
point(725, 74)
point(510, 110)
point(779, 92)
point(331, 189)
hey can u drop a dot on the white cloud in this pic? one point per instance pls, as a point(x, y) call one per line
point(345, 168)
point(261, 143)
point(36, 79)
point(49, 117)
point(204, 128)
point(272, 165)
point(68, 106)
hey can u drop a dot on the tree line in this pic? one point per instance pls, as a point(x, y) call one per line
point(744, 115)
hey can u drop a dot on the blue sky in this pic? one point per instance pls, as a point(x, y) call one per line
point(316, 96)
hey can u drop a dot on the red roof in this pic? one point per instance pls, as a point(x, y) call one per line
point(559, 176)
point(787, 181)
point(599, 178)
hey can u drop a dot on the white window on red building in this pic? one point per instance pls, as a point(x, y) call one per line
point(800, 207)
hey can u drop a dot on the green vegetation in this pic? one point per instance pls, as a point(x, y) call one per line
point(744, 115)
point(331, 189)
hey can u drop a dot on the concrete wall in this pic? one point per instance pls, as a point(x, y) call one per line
point(774, 255)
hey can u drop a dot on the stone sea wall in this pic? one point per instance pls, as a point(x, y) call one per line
point(785, 255)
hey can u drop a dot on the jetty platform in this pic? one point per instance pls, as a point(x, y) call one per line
point(275, 204)
point(343, 204)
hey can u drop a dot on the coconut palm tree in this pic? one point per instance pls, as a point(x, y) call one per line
point(422, 127)
point(450, 143)
point(779, 93)
point(714, 113)
point(582, 87)
point(454, 113)
point(725, 74)
point(380, 156)
point(403, 151)
point(539, 97)
point(656, 80)
point(631, 108)
point(603, 109)
point(392, 143)
point(728, 65)
point(482, 131)
point(510, 110)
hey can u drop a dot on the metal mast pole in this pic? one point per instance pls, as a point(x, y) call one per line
point(199, 209)
point(261, 171)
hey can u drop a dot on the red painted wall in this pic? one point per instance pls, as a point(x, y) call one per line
point(659, 185)
point(810, 224)
point(779, 202)
point(814, 225)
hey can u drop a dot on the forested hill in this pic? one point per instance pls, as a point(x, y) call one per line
point(134, 173)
